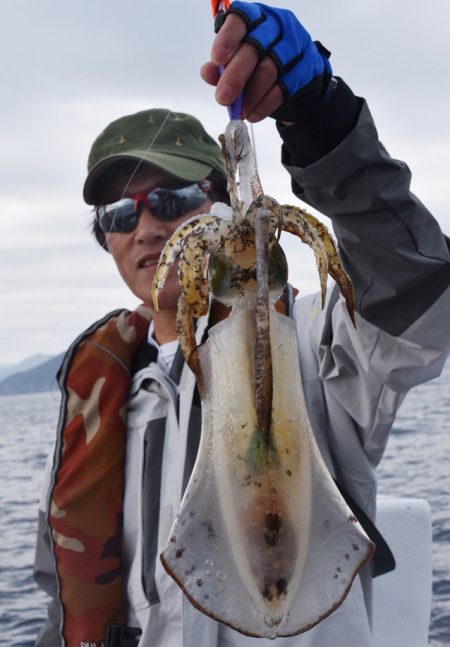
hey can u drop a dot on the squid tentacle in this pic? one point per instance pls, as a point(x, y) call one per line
point(335, 270)
point(294, 222)
point(213, 227)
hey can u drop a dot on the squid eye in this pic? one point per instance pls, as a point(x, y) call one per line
point(278, 269)
point(230, 278)
point(220, 276)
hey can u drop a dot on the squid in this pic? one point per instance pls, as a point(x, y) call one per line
point(263, 541)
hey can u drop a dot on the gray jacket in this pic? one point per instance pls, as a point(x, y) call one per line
point(354, 379)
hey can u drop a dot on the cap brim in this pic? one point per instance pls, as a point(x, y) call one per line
point(179, 167)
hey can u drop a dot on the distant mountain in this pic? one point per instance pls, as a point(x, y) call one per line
point(37, 379)
point(24, 365)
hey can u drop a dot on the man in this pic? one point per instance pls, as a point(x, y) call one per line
point(129, 423)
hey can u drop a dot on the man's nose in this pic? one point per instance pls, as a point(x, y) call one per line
point(149, 227)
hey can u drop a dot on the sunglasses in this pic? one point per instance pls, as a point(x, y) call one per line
point(122, 216)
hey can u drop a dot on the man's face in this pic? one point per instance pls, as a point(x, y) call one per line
point(137, 253)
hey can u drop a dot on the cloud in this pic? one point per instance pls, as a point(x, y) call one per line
point(68, 69)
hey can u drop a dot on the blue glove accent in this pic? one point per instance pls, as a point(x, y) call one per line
point(251, 12)
point(278, 34)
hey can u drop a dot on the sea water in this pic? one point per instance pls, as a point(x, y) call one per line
point(416, 464)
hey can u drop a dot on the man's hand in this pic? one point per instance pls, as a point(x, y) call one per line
point(270, 57)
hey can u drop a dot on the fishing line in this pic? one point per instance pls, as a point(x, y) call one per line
point(141, 161)
point(252, 133)
point(149, 147)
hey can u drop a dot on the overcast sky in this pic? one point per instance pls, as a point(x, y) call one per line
point(69, 68)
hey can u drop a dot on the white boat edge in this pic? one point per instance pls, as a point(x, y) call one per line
point(402, 598)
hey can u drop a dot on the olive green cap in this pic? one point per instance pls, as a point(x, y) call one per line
point(175, 142)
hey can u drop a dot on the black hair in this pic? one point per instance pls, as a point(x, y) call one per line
point(217, 193)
